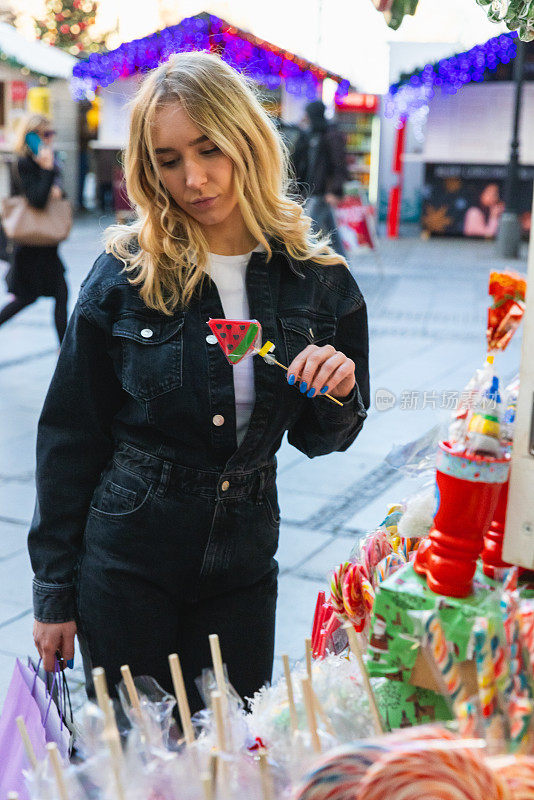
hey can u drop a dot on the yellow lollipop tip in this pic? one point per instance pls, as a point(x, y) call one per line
point(267, 347)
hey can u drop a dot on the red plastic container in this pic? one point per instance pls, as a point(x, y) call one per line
point(468, 488)
point(492, 553)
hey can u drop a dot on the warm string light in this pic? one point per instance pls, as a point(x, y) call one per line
point(267, 64)
point(448, 75)
point(66, 26)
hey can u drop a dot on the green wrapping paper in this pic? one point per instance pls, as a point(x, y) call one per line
point(394, 641)
point(402, 705)
point(393, 645)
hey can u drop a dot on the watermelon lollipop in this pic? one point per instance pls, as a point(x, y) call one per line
point(237, 337)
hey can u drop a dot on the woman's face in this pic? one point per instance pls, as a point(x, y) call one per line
point(197, 175)
point(490, 195)
point(46, 133)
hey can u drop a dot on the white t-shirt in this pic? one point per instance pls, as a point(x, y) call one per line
point(228, 273)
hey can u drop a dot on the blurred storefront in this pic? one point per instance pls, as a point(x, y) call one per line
point(461, 109)
point(287, 83)
point(35, 77)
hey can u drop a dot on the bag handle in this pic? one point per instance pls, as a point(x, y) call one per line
point(63, 692)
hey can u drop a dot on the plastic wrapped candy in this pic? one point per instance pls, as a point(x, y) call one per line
point(238, 338)
point(508, 290)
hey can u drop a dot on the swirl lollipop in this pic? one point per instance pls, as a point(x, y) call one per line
point(336, 587)
point(358, 596)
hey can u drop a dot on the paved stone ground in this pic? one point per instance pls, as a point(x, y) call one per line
point(427, 305)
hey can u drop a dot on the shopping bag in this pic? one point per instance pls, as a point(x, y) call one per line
point(29, 698)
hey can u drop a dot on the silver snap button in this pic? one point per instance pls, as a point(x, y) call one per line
point(225, 485)
point(146, 333)
point(211, 339)
point(218, 420)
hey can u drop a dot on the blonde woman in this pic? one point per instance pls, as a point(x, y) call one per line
point(157, 516)
point(36, 271)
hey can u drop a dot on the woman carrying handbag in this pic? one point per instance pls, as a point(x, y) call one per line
point(36, 269)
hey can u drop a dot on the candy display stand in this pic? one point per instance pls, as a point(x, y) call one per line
point(468, 489)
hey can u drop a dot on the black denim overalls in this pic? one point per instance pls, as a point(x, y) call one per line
point(152, 529)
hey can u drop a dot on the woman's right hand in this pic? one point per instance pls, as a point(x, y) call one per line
point(45, 157)
point(51, 638)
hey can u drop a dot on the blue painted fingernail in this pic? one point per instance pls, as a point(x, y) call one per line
point(310, 393)
point(324, 390)
point(291, 379)
point(303, 386)
point(70, 663)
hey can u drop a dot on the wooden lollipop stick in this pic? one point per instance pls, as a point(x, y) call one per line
point(111, 732)
point(265, 775)
point(310, 714)
point(216, 702)
point(181, 698)
point(28, 747)
point(207, 786)
point(272, 360)
point(356, 649)
point(308, 644)
point(293, 717)
point(218, 668)
point(322, 713)
point(58, 770)
point(101, 689)
point(130, 687)
point(318, 707)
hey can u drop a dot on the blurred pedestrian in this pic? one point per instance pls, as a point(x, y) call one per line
point(36, 270)
point(321, 170)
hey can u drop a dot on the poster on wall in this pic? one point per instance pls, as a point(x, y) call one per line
point(467, 199)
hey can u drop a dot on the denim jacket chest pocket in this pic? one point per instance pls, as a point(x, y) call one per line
point(151, 353)
point(301, 328)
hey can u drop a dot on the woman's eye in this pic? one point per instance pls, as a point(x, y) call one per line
point(209, 152)
point(169, 163)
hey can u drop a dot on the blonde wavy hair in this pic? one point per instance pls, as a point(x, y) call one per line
point(164, 250)
point(27, 124)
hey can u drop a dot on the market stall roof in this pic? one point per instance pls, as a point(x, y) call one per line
point(36, 56)
point(265, 62)
point(414, 90)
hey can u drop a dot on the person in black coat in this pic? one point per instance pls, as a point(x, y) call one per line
point(320, 168)
point(36, 271)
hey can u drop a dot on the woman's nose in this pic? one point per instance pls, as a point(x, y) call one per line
point(195, 177)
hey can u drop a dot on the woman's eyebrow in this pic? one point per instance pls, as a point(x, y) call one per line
point(198, 140)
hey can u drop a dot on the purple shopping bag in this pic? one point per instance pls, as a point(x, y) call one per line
point(28, 697)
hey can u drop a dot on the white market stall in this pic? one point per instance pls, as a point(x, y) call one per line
point(287, 81)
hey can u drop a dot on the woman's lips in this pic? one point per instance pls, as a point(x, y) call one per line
point(207, 203)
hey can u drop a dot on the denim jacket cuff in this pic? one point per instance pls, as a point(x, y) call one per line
point(53, 602)
point(352, 404)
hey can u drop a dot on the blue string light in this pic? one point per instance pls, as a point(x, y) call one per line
point(449, 75)
point(265, 63)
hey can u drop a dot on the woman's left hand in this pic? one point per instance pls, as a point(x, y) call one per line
point(319, 370)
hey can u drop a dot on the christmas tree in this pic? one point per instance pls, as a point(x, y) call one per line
point(69, 25)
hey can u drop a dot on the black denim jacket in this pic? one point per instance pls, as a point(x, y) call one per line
point(130, 374)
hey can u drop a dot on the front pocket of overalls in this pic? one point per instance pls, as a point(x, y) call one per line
point(301, 328)
point(152, 354)
point(272, 508)
point(120, 493)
